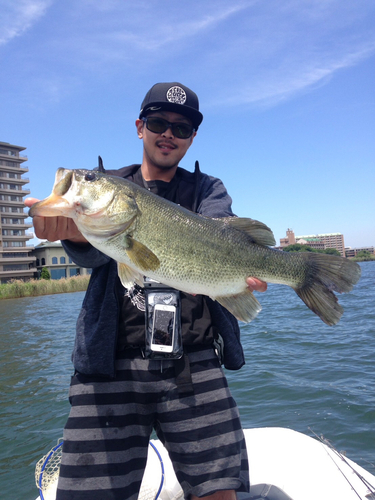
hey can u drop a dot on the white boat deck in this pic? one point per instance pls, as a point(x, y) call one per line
point(288, 464)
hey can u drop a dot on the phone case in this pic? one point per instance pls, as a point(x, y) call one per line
point(163, 338)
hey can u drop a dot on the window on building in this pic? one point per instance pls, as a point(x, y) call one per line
point(54, 260)
point(56, 274)
point(15, 267)
point(43, 261)
point(12, 255)
point(7, 152)
point(62, 260)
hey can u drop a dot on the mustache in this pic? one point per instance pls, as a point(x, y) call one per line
point(166, 142)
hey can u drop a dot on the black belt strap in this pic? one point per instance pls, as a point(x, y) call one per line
point(183, 375)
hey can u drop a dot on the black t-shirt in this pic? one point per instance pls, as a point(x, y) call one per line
point(196, 322)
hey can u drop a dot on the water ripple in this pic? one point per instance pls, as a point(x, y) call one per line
point(299, 373)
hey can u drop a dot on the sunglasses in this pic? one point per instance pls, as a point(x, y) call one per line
point(159, 126)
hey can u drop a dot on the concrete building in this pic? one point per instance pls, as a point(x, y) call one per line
point(352, 252)
point(16, 261)
point(330, 240)
point(312, 242)
point(56, 260)
point(289, 240)
point(318, 241)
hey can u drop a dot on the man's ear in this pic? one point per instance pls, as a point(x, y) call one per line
point(139, 124)
point(192, 138)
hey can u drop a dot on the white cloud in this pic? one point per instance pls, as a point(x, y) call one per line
point(18, 16)
point(293, 77)
point(127, 32)
point(276, 53)
point(249, 50)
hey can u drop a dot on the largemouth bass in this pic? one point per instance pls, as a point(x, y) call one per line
point(150, 236)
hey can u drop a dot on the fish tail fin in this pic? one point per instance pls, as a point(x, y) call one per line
point(327, 274)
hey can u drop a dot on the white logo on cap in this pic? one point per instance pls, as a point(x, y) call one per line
point(177, 95)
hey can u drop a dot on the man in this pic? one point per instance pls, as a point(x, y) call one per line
point(118, 394)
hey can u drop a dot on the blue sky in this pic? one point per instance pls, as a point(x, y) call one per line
point(286, 89)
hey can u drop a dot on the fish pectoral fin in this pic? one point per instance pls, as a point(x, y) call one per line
point(258, 232)
point(128, 276)
point(141, 256)
point(244, 306)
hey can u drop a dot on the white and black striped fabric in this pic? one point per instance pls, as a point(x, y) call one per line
point(106, 436)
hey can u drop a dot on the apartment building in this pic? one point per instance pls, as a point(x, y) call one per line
point(329, 240)
point(16, 261)
point(318, 241)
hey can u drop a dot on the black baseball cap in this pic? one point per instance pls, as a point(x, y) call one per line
point(172, 97)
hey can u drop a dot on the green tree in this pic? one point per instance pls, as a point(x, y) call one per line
point(297, 247)
point(332, 251)
point(364, 254)
point(45, 274)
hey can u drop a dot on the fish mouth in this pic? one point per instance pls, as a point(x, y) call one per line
point(55, 204)
point(52, 206)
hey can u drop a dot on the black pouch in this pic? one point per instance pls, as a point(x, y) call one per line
point(162, 321)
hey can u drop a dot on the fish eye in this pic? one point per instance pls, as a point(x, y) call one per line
point(91, 176)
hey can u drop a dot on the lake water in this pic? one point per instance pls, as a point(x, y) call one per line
point(299, 374)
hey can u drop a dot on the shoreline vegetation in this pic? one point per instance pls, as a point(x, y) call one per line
point(33, 288)
point(362, 256)
point(364, 259)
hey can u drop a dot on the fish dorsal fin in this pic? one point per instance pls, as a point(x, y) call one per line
point(258, 232)
point(128, 276)
point(141, 256)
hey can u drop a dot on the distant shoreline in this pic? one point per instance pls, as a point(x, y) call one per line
point(16, 289)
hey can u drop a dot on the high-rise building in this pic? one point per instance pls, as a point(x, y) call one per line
point(16, 261)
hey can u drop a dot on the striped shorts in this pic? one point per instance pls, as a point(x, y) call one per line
point(108, 430)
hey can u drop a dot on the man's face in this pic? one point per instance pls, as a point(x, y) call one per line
point(164, 150)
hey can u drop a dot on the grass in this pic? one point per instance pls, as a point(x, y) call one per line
point(363, 259)
point(32, 288)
